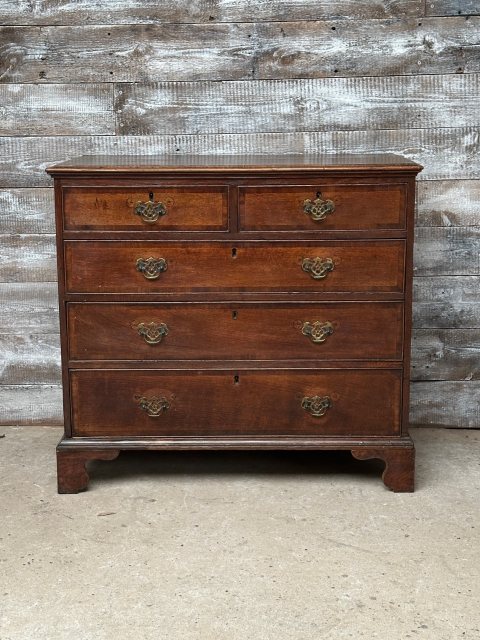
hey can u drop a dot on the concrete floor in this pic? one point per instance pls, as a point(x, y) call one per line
point(240, 546)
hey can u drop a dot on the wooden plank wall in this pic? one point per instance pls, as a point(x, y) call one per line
point(130, 76)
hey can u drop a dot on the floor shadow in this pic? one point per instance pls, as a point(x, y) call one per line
point(234, 463)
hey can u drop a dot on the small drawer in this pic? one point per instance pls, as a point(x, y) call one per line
point(199, 267)
point(172, 208)
point(236, 403)
point(341, 207)
point(162, 331)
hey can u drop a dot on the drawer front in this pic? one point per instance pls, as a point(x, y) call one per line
point(340, 207)
point(340, 331)
point(154, 267)
point(281, 402)
point(200, 208)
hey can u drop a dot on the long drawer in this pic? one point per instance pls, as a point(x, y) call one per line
point(159, 267)
point(207, 403)
point(342, 207)
point(160, 331)
point(121, 208)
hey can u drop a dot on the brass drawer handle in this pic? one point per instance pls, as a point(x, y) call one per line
point(317, 331)
point(151, 268)
point(317, 406)
point(319, 208)
point(154, 406)
point(150, 211)
point(318, 268)
point(152, 332)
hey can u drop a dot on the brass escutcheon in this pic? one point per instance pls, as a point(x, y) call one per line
point(317, 331)
point(318, 268)
point(317, 406)
point(152, 332)
point(151, 268)
point(150, 211)
point(319, 208)
point(154, 406)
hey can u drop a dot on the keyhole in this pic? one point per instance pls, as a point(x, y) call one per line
point(150, 195)
point(236, 379)
point(234, 315)
point(234, 252)
point(319, 194)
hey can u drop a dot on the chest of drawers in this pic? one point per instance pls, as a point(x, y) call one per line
point(235, 303)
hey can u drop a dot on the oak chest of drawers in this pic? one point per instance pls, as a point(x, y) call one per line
point(235, 303)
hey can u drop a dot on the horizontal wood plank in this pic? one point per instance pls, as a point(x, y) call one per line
point(449, 404)
point(452, 7)
point(31, 405)
point(28, 258)
point(29, 307)
point(298, 105)
point(367, 48)
point(27, 210)
point(126, 53)
point(275, 50)
point(446, 302)
point(448, 203)
point(447, 251)
point(445, 153)
point(56, 109)
point(52, 12)
point(446, 354)
point(30, 359)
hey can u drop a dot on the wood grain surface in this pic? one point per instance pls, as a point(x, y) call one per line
point(239, 51)
point(235, 331)
point(56, 109)
point(194, 269)
point(185, 208)
point(274, 397)
point(388, 102)
point(52, 12)
point(452, 7)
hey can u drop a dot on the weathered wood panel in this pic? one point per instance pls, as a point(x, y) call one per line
point(28, 258)
point(31, 405)
point(446, 302)
point(450, 404)
point(30, 359)
point(236, 51)
point(448, 203)
point(52, 12)
point(447, 251)
point(298, 105)
point(446, 354)
point(452, 7)
point(27, 211)
point(129, 53)
point(29, 307)
point(369, 48)
point(445, 153)
point(56, 109)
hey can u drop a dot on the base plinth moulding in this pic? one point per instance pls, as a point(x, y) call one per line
point(73, 477)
